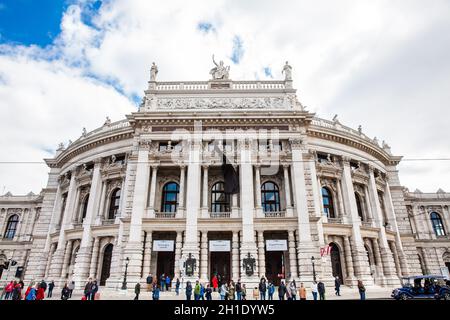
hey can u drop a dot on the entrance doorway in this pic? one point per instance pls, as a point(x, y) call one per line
point(165, 264)
point(275, 266)
point(336, 265)
point(106, 264)
point(220, 266)
point(448, 266)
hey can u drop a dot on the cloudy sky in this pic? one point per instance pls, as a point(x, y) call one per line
point(65, 65)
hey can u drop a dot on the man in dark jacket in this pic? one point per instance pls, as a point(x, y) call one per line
point(137, 291)
point(238, 290)
point(321, 290)
point(281, 290)
point(262, 288)
point(149, 282)
point(43, 285)
point(337, 286)
point(51, 285)
point(88, 289)
point(94, 289)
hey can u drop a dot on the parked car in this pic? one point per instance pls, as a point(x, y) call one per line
point(419, 287)
point(444, 292)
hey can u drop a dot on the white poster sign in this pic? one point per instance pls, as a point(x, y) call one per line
point(219, 246)
point(445, 273)
point(276, 245)
point(163, 245)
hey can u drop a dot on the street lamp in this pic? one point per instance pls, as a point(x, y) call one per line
point(314, 269)
point(124, 283)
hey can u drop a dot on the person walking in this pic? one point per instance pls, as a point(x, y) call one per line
point(215, 283)
point(314, 289)
point(188, 290)
point(271, 290)
point(197, 290)
point(262, 287)
point(137, 290)
point(149, 282)
point(293, 289)
point(321, 290)
point(155, 293)
point(71, 286)
point(231, 291)
point(337, 286)
point(177, 287)
point(302, 292)
point(51, 285)
point(238, 290)
point(65, 292)
point(361, 290)
point(208, 292)
point(281, 290)
point(94, 289)
point(167, 283)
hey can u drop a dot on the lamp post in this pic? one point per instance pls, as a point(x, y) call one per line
point(314, 269)
point(124, 283)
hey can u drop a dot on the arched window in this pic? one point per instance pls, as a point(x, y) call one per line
point(170, 197)
point(359, 206)
point(114, 202)
point(270, 195)
point(84, 208)
point(11, 226)
point(438, 226)
point(327, 201)
point(220, 201)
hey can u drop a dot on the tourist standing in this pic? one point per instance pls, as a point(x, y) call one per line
point(262, 288)
point(71, 286)
point(137, 290)
point(271, 290)
point(244, 292)
point(302, 292)
point(177, 287)
point(337, 286)
point(149, 282)
point(293, 289)
point(94, 289)
point(17, 292)
point(32, 293)
point(321, 290)
point(9, 289)
point(314, 289)
point(155, 293)
point(281, 290)
point(87, 289)
point(215, 283)
point(162, 281)
point(208, 292)
point(51, 285)
point(167, 283)
point(65, 292)
point(238, 290)
point(43, 285)
point(223, 291)
point(40, 295)
point(197, 290)
point(362, 290)
point(231, 291)
point(188, 290)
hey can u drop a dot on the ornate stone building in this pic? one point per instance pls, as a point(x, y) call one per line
point(146, 194)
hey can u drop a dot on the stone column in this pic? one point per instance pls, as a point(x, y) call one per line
point(350, 280)
point(83, 258)
point(248, 245)
point(75, 215)
point(205, 211)
point(94, 260)
point(67, 257)
point(368, 206)
point(234, 206)
point(396, 259)
point(342, 210)
point(261, 254)
point(287, 188)
point(148, 253)
point(305, 249)
point(235, 256)
point(181, 207)
point(101, 211)
point(378, 261)
point(204, 257)
point(178, 245)
point(258, 206)
point(292, 255)
point(49, 259)
point(133, 248)
point(58, 256)
point(190, 245)
point(152, 197)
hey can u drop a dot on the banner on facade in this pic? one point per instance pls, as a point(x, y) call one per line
point(163, 245)
point(219, 246)
point(276, 245)
point(325, 251)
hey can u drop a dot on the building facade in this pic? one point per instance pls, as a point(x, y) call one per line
point(146, 195)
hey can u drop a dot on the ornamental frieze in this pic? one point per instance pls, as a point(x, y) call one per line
point(225, 103)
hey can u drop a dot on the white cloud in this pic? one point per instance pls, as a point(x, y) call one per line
point(381, 64)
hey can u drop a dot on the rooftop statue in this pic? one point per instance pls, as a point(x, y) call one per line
point(219, 72)
point(153, 72)
point(287, 70)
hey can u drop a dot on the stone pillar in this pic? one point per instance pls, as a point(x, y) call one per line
point(190, 245)
point(67, 257)
point(101, 211)
point(360, 259)
point(248, 245)
point(305, 247)
point(258, 207)
point(342, 210)
point(58, 256)
point(204, 257)
point(261, 254)
point(49, 260)
point(287, 188)
point(152, 197)
point(133, 248)
point(378, 261)
point(368, 206)
point(205, 193)
point(386, 255)
point(94, 260)
point(234, 206)
point(181, 207)
point(235, 256)
point(148, 253)
point(178, 246)
point(350, 280)
point(396, 259)
point(292, 255)
point(83, 258)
